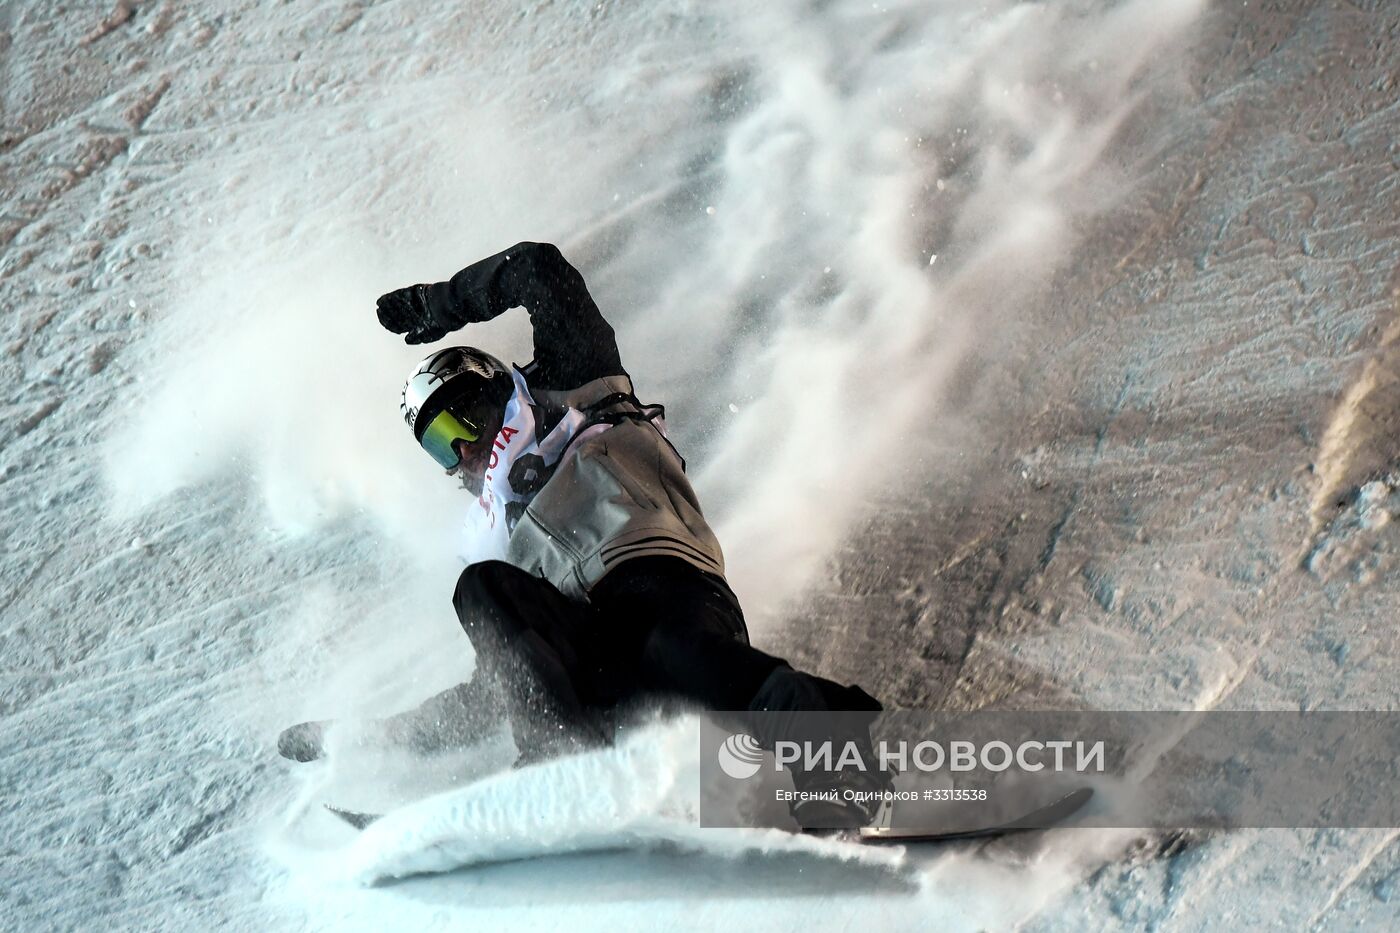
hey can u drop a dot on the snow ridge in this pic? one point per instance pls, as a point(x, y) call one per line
point(642, 793)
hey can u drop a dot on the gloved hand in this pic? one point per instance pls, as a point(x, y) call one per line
point(407, 311)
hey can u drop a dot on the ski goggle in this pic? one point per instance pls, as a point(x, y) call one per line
point(442, 432)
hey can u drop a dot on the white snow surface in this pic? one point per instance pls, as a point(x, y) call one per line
point(1128, 443)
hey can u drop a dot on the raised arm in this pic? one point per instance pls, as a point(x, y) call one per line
point(573, 343)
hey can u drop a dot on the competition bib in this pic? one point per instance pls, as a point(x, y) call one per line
point(521, 463)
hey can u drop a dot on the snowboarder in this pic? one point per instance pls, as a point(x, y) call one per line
point(592, 577)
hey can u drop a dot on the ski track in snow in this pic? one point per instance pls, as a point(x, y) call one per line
point(1021, 353)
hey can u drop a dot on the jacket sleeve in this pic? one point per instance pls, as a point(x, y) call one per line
point(573, 343)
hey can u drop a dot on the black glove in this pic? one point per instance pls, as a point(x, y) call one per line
point(407, 311)
point(304, 741)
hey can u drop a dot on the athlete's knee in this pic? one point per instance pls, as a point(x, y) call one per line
point(479, 583)
point(479, 596)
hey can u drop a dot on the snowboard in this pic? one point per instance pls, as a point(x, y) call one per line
point(1051, 814)
point(1044, 817)
point(353, 817)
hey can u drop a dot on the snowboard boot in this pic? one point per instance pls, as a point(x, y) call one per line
point(835, 817)
point(813, 711)
point(838, 802)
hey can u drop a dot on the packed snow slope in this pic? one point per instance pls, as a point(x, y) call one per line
point(1023, 353)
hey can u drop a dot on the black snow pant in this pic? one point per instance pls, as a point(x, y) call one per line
point(656, 627)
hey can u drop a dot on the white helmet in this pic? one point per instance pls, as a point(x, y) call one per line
point(445, 396)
